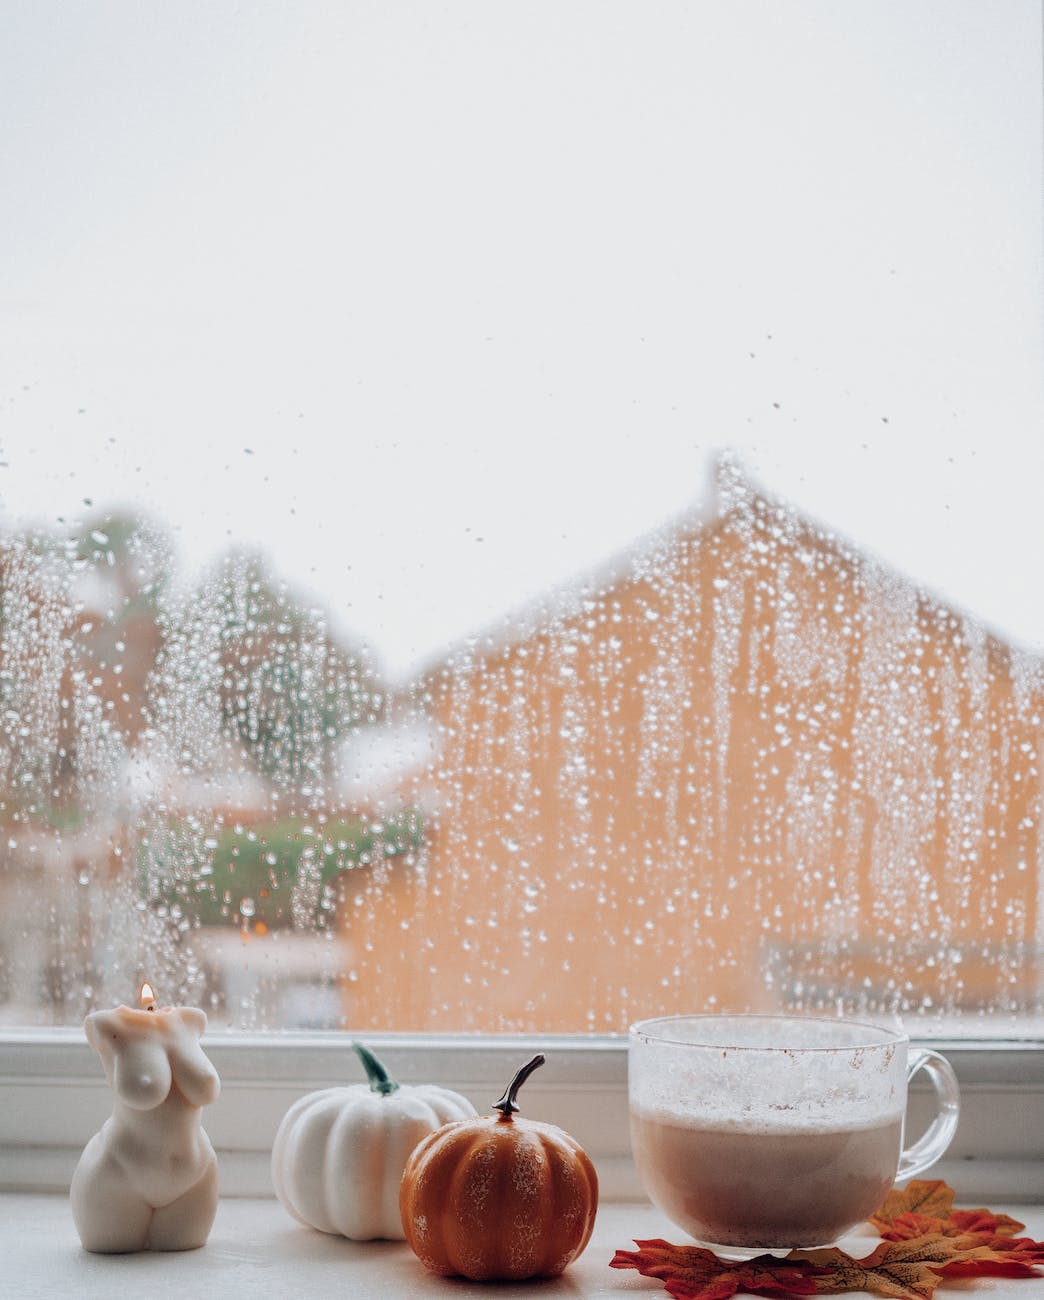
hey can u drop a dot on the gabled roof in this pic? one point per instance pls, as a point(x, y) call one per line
point(730, 491)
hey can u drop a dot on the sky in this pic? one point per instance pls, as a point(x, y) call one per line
point(444, 303)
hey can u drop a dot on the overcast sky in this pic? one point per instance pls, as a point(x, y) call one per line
point(444, 303)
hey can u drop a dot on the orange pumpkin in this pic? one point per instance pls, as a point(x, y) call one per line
point(497, 1197)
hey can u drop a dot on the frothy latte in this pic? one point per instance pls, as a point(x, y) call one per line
point(768, 1186)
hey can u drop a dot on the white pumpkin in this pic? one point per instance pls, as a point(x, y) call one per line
point(339, 1154)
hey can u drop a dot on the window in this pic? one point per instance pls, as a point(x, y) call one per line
point(516, 518)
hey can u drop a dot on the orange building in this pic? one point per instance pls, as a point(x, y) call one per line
point(751, 768)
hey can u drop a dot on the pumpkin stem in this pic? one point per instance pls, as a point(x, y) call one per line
point(507, 1104)
point(379, 1078)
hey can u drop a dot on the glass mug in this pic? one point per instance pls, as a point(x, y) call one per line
point(769, 1132)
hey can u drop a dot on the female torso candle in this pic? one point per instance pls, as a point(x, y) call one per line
point(148, 1179)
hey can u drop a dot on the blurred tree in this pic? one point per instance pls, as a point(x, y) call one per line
point(122, 566)
point(290, 690)
point(79, 639)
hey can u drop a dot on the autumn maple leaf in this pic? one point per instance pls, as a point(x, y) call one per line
point(693, 1273)
point(982, 1255)
point(983, 1221)
point(904, 1227)
point(984, 1243)
point(901, 1270)
point(932, 1199)
point(960, 1223)
point(926, 1242)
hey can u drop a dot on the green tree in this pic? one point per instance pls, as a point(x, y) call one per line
point(291, 691)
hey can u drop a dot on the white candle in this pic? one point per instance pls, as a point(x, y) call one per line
point(148, 1179)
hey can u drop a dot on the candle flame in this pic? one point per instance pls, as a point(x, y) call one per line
point(147, 997)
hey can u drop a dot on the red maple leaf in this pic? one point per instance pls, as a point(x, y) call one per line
point(925, 1241)
point(985, 1243)
point(960, 1223)
point(693, 1273)
point(997, 1225)
point(984, 1255)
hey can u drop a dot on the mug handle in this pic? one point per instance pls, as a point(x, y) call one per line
point(931, 1145)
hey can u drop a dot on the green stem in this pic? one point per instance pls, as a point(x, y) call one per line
point(507, 1104)
point(379, 1078)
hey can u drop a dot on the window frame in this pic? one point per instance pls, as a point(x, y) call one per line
point(53, 1097)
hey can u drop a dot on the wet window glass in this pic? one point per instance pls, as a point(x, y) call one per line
point(522, 518)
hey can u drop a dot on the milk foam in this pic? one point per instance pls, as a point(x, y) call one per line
point(767, 1121)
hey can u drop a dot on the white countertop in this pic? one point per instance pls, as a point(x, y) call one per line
point(256, 1250)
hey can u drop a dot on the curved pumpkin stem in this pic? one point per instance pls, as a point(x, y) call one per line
point(507, 1104)
point(379, 1078)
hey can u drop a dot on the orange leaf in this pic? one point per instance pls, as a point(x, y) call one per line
point(982, 1255)
point(998, 1225)
point(989, 1268)
point(934, 1199)
point(901, 1270)
point(693, 1273)
point(985, 1244)
point(904, 1227)
point(926, 1240)
point(959, 1224)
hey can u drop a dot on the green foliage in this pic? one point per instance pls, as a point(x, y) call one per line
point(254, 868)
point(290, 691)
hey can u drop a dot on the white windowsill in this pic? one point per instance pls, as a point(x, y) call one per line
point(256, 1249)
point(53, 1097)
